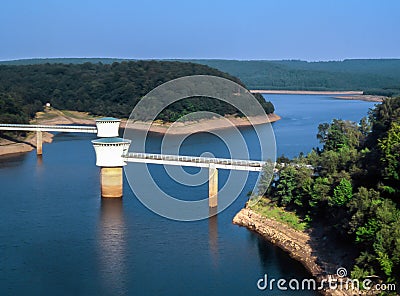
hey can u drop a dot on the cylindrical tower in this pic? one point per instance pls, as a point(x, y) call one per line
point(107, 127)
point(109, 153)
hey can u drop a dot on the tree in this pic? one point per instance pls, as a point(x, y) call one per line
point(338, 134)
point(342, 193)
point(104, 89)
point(390, 157)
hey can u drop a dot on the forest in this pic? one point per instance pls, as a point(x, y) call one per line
point(378, 76)
point(111, 89)
point(352, 186)
point(373, 76)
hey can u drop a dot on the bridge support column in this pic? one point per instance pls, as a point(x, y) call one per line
point(39, 142)
point(109, 158)
point(213, 186)
point(111, 182)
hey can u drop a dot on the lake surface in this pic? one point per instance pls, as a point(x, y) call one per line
point(57, 237)
point(301, 114)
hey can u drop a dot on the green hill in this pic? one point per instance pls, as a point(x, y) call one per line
point(25, 62)
point(111, 89)
point(351, 189)
point(373, 76)
point(380, 76)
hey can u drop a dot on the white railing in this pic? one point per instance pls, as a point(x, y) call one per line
point(49, 128)
point(195, 161)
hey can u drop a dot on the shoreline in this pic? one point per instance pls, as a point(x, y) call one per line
point(10, 147)
point(306, 92)
point(310, 248)
point(55, 117)
point(203, 125)
point(366, 98)
point(342, 95)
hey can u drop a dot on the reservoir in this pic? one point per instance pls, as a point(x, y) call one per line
point(57, 237)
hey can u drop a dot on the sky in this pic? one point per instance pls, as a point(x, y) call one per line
point(312, 30)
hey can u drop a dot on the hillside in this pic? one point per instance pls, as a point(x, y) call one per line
point(351, 189)
point(110, 89)
point(373, 76)
point(381, 76)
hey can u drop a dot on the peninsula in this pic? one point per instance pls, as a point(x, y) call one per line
point(91, 90)
point(51, 116)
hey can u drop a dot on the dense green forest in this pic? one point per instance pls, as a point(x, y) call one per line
point(373, 76)
point(381, 76)
point(110, 89)
point(352, 185)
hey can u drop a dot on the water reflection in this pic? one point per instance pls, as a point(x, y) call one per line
point(12, 160)
point(266, 251)
point(112, 247)
point(39, 159)
point(213, 235)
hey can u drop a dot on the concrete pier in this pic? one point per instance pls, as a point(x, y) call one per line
point(213, 186)
point(111, 182)
point(39, 142)
point(109, 153)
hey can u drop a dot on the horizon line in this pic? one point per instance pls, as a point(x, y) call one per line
point(192, 59)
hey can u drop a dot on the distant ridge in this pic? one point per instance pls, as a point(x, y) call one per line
point(38, 61)
point(373, 76)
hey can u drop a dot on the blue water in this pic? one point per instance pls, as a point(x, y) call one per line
point(301, 114)
point(58, 237)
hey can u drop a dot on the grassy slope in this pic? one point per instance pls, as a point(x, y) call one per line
point(269, 210)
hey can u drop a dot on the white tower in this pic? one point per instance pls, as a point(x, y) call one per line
point(109, 151)
point(107, 127)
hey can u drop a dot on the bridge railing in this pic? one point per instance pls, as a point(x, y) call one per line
point(194, 160)
point(49, 128)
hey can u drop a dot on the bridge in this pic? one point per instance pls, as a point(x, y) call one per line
point(49, 128)
point(194, 161)
point(212, 163)
point(40, 128)
point(112, 153)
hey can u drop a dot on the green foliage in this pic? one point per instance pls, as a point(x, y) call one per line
point(385, 263)
point(320, 192)
point(293, 186)
point(380, 77)
point(359, 273)
point(390, 151)
point(270, 210)
point(367, 232)
point(285, 186)
point(12, 109)
point(266, 178)
point(101, 89)
point(382, 117)
point(342, 193)
point(353, 189)
point(339, 134)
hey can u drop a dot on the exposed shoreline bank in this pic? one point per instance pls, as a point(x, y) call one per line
point(55, 117)
point(366, 98)
point(343, 95)
point(203, 125)
point(306, 92)
point(8, 147)
point(311, 249)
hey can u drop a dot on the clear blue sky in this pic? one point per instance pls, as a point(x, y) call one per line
point(260, 29)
